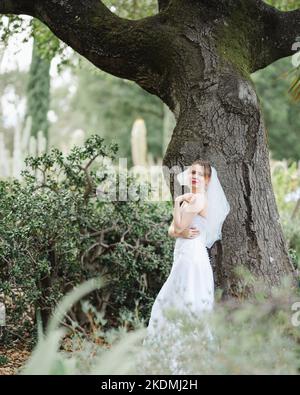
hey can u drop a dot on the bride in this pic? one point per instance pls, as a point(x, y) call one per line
point(198, 217)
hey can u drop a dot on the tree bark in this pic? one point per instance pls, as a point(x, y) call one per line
point(219, 119)
point(163, 4)
point(223, 123)
point(198, 56)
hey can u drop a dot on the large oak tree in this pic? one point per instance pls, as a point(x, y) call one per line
point(197, 56)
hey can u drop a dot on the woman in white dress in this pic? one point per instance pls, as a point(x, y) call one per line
point(197, 221)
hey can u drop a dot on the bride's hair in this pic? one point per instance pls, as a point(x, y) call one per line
point(206, 165)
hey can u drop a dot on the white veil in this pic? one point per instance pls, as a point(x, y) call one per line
point(217, 208)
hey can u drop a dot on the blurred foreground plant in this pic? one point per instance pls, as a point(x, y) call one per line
point(257, 336)
point(46, 358)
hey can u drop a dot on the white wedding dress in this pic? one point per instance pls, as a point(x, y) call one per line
point(189, 289)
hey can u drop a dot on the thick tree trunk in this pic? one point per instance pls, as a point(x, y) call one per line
point(219, 119)
point(224, 125)
point(197, 56)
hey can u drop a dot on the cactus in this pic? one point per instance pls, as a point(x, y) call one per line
point(139, 143)
point(4, 158)
point(144, 165)
point(23, 146)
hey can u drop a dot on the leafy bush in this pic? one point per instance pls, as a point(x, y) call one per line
point(56, 233)
point(257, 336)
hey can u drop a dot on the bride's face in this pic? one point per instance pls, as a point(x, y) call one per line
point(196, 177)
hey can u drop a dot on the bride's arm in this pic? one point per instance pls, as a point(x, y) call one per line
point(186, 233)
point(172, 232)
point(184, 215)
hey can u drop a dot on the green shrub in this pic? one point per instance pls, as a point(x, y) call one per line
point(56, 233)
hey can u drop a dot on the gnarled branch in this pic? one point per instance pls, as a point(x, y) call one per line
point(17, 7)
point(119, 46)
point(279, 33)
point(163, 4)
point(250, 33)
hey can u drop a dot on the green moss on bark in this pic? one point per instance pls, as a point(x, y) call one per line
point(235, 39)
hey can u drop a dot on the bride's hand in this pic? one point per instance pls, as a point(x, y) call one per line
point(188, 197)
point(190, 233)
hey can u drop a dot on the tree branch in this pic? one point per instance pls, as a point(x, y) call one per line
point(287, 33)
point(122, 47)
point(17, 7)
point(255, 34)
point(163, 4)
point(280, 30)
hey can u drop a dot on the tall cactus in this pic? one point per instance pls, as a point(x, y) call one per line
point(144, 164)
point(139, 143)
point(23, 145)
point(17, 160)
point(4, 158)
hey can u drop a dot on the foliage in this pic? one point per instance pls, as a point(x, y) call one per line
point(285, 5)
point(289, 5)
point(9, 25)
point(55, 233)
point(281, 114)
point(286, 181)
point(49, 342)
point(257, 336)
point(48, 44)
